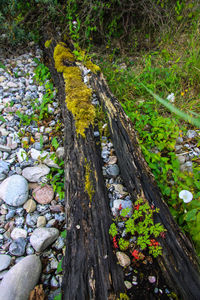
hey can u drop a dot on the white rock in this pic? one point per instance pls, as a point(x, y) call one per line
point(42, 237)
point(33, 174)
point(44, 156)
point(12, 84)
point(14, 190)
point(18, 232)
point(21, 155)
point(21, 279)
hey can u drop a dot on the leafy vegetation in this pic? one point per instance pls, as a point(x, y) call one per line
point(138, 84)
point(140, 231)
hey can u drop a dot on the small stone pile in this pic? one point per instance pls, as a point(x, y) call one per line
point(31, 212)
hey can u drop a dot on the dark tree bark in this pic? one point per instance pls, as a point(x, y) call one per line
point(90, 268)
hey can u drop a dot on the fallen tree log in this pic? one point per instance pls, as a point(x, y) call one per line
point(90, 268)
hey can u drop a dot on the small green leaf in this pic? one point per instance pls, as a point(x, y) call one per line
point(191, 215)
point(59, 268)
point(63, 234)
point(55, 143)
point(2, 119)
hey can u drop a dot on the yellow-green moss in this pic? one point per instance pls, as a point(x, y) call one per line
point(94, 68)
point(123, 296)
point(47, 43)
point(78, 95)
point(88, 184)
point(62, 54)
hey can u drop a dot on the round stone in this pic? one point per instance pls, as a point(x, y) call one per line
point(42, 237)
point(33, 174)
point(21, 279)
point(30, 206)
point(17, 247)
point(18, 232)
point(5, 261)
point(113, 170)
point(41, 221)
point(43, 194)
point(14, 190)
point(123, 259)
point(152, 279)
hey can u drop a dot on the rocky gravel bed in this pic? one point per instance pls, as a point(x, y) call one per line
point(31, 211)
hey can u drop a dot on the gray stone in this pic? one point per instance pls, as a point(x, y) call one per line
point(14, 190)
point(4, 169)
point(178, 147)
point(191, 134)
point(54, 283)
point(5, 261)
point(5, 148)
point(10, 214)
point(179, 140)
point(17, 247)
point(3, 273)
point(19, 221)
point(33, 174)
point(41, 238)
point(60, 152)
point(181, 159)
point(37, 146)
point(21, 279)
point(59, 244)
point(31, 220)
point(113, 170)
point(20, 211)
point(29, 250)
point(105, 153)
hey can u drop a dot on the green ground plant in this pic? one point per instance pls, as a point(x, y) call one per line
point(140, 225)
point(173, 67)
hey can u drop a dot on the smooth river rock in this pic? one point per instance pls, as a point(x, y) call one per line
point(33, 174)
point(5, 261)
point(14, 190)
point(43, 194)
point(21, 279)
point(42, 237)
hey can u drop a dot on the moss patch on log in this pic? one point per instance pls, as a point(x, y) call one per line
point(78, 95)
point(88, 184)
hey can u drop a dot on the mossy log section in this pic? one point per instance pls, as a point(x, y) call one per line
point(178, 262)
point(90, 266)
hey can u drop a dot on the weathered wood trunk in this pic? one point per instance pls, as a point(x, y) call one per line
point(90, 268)
point(178, 262)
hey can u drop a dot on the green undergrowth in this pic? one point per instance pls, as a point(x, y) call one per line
point(174, 69)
